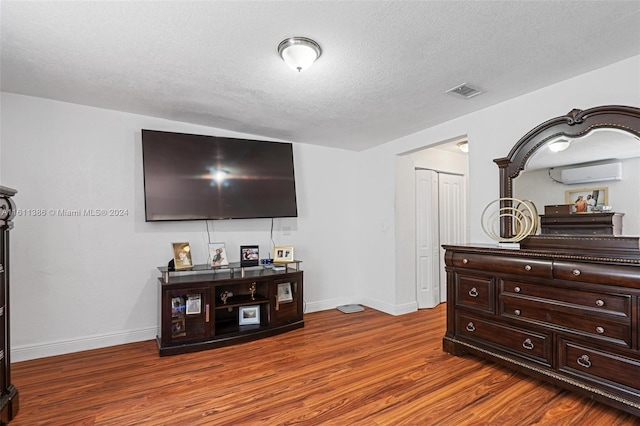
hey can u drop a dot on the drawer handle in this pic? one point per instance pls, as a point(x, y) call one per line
point(584, 361)
point(473, 292)
point(465, 261)
point(599, 302)
point(527, 268)
point(528, 344)
point(576, 272)
point(517, 289)
point(517, 312)
point(471, 327)
point(600, 330)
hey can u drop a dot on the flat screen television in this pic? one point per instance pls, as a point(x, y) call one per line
point(194, 177)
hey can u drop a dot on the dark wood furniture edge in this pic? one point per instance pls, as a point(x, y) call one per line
point(227, 341)
point(550, 251)
point(457, 348)
point(10, 400)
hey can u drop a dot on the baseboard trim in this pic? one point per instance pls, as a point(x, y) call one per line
point(28, 352)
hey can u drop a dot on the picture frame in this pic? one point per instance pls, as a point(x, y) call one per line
point(177, 306)
point(178, 327)
point(282, 254)
point(249, 315)
point(249, 255)
point(194, 304)
point(584, 200)
point(218, 255)
point(182, 256)
point(284, 293)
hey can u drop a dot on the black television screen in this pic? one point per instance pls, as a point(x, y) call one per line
point(191, 177)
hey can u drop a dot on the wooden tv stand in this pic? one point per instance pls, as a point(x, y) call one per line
point(568, 316)
point(201, 308)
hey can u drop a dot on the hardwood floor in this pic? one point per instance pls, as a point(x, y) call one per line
point(365, 368)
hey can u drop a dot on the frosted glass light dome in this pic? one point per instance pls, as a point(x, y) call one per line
point(299, 52)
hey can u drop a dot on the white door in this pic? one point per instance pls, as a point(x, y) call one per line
point(427, 238)
point(440, 219)
point(452, 215)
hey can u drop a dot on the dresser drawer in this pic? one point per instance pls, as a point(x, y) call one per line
point(585, 362)
point(608, 303)
point(606, 327)
point(511, 265)
point(533, 345)
point(626, 275)
point(475, 292)
point(579, 219)
point(578, 230)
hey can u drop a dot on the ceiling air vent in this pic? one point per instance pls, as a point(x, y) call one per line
point(465, 91)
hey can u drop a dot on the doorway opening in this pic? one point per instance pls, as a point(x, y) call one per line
point(430, 211)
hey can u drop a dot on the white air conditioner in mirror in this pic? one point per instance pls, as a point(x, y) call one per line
point(592, 173)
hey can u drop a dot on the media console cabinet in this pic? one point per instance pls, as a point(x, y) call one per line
point(566, 316)
point(203, 308)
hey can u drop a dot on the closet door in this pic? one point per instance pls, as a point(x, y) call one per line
point(440, 219)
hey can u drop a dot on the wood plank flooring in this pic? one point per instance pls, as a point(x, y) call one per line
point(365, 368)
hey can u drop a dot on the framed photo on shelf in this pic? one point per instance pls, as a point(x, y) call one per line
point(284, 293)
point(182, 256)
point(218, 254)
point(249, 255)
point(194, 304)
point(584, 200)
point(282, 254)
point(249, 315)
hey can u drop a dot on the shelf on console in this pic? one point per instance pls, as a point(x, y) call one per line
point(233, 270)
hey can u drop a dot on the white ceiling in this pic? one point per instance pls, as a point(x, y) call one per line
point(596, 146)
point(382, 75)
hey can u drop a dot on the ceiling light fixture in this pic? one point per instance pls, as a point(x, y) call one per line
point(559, 145)
point(464, 146)
point(299, 52)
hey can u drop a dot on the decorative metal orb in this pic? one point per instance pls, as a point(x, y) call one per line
point(524, 219)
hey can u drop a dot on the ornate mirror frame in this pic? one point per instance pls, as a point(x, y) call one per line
point(575, 124)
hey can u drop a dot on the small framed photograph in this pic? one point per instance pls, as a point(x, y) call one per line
point(182, 256)
point(282, 254)
point(178, 328)
point(284, 293)
point(177, 306)
point(249, 255)
point(249, 315)
point(194, 304)
point(587, 200)
point(218, 254)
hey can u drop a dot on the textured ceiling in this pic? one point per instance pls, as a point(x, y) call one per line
point(383, 73)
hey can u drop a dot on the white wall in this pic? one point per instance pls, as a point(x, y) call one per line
point(79, 283)
point(86, 282)
point(491, 132)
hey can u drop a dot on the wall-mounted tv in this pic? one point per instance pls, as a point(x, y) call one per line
point(194, 177)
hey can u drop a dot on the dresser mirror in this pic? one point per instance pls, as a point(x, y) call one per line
point(607, 137)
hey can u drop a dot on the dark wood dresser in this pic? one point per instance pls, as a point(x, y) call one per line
point(566, 316)
point(582, 224)
point(8, 393)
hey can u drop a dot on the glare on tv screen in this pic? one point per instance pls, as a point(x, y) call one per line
point(193, 177)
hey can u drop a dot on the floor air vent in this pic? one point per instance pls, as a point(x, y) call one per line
point(349, 309)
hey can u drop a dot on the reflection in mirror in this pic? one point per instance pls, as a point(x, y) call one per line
point(616, 155)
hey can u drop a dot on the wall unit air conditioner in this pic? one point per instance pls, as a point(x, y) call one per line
point(592, 173)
